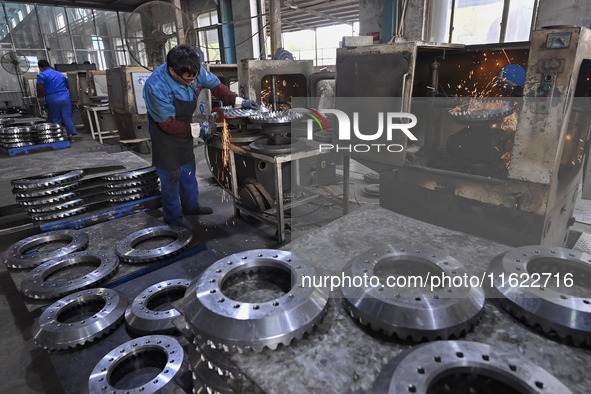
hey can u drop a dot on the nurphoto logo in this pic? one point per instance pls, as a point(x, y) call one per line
point(388, 123)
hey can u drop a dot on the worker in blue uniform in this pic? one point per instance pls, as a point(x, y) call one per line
point(171, 94)
point(53, 86)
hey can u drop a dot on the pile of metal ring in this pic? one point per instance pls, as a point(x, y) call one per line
point(62, 194)
point(241, 129)
point(30, 135)
point(48, 133)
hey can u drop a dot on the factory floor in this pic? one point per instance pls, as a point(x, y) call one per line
point(25, 367)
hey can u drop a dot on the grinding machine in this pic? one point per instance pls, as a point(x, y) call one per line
point(502, 131)
point(274, 84)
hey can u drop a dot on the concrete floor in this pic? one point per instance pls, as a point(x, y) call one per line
point(25, 367)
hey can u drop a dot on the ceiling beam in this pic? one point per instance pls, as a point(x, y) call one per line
point(323, 15)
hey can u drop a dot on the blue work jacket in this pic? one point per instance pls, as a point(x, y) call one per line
point(55, 83)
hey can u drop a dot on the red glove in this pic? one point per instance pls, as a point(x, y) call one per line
point(176, 127)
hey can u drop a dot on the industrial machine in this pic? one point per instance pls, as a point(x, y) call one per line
point(126, 100)
point(501, 131)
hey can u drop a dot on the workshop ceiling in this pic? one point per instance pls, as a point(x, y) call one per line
point(295, 14)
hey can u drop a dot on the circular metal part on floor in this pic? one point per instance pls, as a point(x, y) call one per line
point(99, 312)
point(21, 254)
point(411, 310)
point(217, 360)
point(207, 380)
point(126, 248)
point(263, 146)
point(226, 323)
point(47, 180)
point(149, 364)
point(463, 366)
point(143, 317)
point(372, 190)
point(130, 174)
point(548, 288)
point(37, 285)
point(371, 178)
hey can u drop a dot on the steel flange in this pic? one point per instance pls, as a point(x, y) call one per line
point(19, 254)
point(520, 278)
point(46, 199)
point(126, 249)
point(64, 213)
point(36, 285)
point(156, 351)
point(422, 369)
point(53, 332)
point(46, 180)
point(141, 316)
point(413, 311)
point(227, 324)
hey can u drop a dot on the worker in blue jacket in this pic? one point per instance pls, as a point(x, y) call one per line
point(53, 86)
point(171, 94)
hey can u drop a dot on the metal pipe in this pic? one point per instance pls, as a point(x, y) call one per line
point(434, 77)
point(406, 75)
point(274, 92)
point(275, 18)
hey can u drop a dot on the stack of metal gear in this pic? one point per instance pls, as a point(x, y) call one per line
point(48, 133)
point(16, 137)
point(277, 126)
point(62, 194)
point(242, 130)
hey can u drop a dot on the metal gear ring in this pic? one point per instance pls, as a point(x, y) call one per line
point(443, 313)
point(45, 191)
point(159, 352)
point(422, 369)
point(36, 285)
point(227, 324)
point(130, 174)
point(153, 179)
point(45, 180)
point(55, 207)
point(520, 277)
point(141, 316)
point(58, 214)
point(131, 197)
point(128, 253)
point(54, 331)
point(46, 199)
point(18, 255)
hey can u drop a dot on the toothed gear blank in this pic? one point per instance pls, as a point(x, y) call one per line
point(556, 310)
point(37, 285)
point(231, 325)
point(54, 331)
point(142, 318)
point(411, 312)
point(482, 368)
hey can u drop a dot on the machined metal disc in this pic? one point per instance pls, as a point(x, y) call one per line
point(126, 248)
point(46, 180)
point(18, 145)
point(55, 207)
point(538, 284)
point(54, 332)
point(36, 285)
point(142, 318)
point(227, 324)
point(130, 174)
point(149, 188)
point(158, 351)
point(422, 369)
point(275, 116)
point(52, 140)
point(47, 126)
point(231, 112)
point(20, 254)
point(412, 311)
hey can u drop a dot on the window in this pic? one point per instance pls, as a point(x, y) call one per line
point(480, 21)
point(209, 41)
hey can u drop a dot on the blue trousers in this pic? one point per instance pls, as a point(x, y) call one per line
point(61, 112)
point(180, 193)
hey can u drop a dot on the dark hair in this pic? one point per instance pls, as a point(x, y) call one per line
point(183, 59)
point(43, 63)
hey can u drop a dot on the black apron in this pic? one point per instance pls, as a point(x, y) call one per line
point(171, 152)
